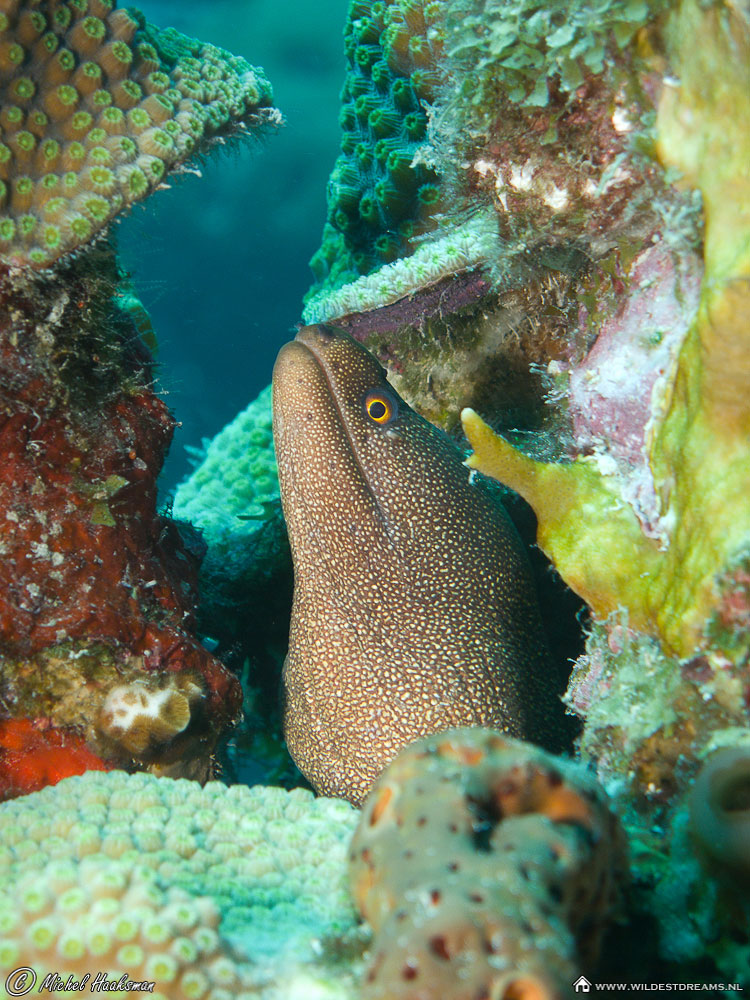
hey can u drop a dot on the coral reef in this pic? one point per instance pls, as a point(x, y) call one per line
point(232, 499)
point(463, 249)
point(99, 106)
point(381, 195)
point(523, 870)
point(544, 148)
point(98, 590)
point(522, 49)
point(208, 892)
point(234, 487)
point(599, 325)
point(649, 520)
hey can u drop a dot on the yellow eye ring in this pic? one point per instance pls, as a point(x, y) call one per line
point(379, 407)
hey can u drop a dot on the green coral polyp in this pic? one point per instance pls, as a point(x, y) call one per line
point(50, 150)
point(122, 53)
point(139, 119)
point(65, 60)
point(127, 147)
point(81, 121)
point(156, 169)
point(94, 28)
point(381, 75)
point(132, 89)
point(157, 82)
point(15, 55)
point(91, 70)
point(429, 195)
point(67, 95)
point(383, 122)
point(25, 141)
point(49, 42)
point(163, 139)
point(415, 125)
point(101, 156)
point(103, 179)
point(368, 209)
point(55, 205)
point(62, 17)
point(23, 89)
point(113, 116)
point(137, 183)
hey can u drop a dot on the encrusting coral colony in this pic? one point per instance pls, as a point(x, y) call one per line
point(98, 590)
point(541, 214)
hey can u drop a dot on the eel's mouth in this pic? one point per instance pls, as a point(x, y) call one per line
point(306, 404)
point(316, 438)
point(302, 360)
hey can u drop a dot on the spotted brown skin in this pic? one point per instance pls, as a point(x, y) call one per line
point(414, 609)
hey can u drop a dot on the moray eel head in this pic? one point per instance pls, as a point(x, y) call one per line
point(413, 609)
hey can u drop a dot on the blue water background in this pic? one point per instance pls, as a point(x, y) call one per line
point(221, 261)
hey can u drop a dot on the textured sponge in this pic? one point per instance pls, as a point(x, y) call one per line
point(97, 107)
point(487, 868)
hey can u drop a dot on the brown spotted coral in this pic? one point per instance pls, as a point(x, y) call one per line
point(487, 868)
point(96, 106)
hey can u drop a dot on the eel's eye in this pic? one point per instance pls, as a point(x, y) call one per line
point(380, 407)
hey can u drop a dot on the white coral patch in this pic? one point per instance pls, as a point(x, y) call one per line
point(521, 176)
point(484, 167)
point(130, 702)
point(556, 198)
point(620, 121)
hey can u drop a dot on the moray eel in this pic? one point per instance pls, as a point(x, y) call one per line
point(414, 610)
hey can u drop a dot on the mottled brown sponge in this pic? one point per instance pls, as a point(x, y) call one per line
point(487, 868)
point(96, 106)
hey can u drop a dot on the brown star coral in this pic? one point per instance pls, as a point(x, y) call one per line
point(97, 107)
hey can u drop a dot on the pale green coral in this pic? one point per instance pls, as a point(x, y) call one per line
point(462, 248)
point(519, 47)
point(203, 889)
point(228, 494)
